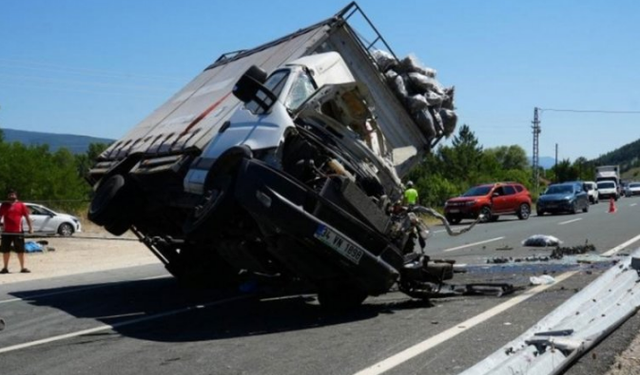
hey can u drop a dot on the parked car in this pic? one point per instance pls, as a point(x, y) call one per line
point(633, 188)
point(490, 200)
point(564, 197)
point(47, 221)
point(608, 189)
point(592, 191)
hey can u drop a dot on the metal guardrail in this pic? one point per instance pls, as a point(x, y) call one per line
point(580, 323)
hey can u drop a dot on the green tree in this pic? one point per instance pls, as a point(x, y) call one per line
point(463, 158)
point(510, 157)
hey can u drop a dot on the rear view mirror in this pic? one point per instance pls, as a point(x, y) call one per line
point(250, 86)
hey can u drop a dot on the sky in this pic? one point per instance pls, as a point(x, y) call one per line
point(98, 67)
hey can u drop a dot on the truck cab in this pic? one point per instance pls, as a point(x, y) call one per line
point(318, 89)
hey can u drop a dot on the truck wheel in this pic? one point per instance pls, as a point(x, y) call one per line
point(217, 202)
point(341, 299)
point(118, 226)
point(108, 200)
point(524, 211)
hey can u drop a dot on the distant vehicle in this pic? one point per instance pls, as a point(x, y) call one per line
point(610, 173)
point(633, 188)
point(592, 191)
point(48, 221)
point(564, 197)
point(608, 189)
point(491, 200)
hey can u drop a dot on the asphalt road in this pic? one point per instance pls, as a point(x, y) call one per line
point(139, 321)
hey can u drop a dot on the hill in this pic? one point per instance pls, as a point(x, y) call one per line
point(627, 157)
point(545, 162)
point(77, 144)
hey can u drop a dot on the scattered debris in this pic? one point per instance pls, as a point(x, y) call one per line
point(542, 280)
point(559, 252)
point(541, 240)
point(503, 248)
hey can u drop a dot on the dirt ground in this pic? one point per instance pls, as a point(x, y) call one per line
point(91, 250)
point(628, 362)
point(96, 250)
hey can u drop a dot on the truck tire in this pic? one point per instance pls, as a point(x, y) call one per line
point(108, 200)
point(119, 226)
point(218, 201)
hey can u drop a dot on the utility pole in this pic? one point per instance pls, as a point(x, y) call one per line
point(536, 156)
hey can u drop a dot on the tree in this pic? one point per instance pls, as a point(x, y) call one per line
point(463, 158)
point(85, 161)
point(510, 157)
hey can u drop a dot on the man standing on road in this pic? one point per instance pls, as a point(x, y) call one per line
point(12, 213)
point(411, 194)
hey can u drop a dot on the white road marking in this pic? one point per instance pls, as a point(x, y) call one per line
point(570, 221)
point(107, 327)
point(621, 246)
point(438, 339)
point(472, 244)
point(80, 289)
point(457, 329)
point(633, 204)
point(440, 231)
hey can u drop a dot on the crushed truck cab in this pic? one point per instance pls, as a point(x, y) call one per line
point(285, 162)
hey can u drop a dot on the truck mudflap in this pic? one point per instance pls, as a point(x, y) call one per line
point(325, 234)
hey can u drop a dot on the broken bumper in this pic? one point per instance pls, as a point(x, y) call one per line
point(323, 243)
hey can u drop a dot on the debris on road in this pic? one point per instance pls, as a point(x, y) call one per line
point(503, 248)
point(541, 240)
point(551, 345)
point(542, 280)
point(560, 252)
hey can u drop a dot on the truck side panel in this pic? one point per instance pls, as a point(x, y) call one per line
point(396, 124)
point(195, 113)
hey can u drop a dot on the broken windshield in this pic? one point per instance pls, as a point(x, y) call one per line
point(301, 89)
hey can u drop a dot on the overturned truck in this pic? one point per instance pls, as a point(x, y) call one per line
point(294, 174)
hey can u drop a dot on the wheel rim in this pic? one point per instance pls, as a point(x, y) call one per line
point(524, 211)
point(65, 230)
point(486, 212)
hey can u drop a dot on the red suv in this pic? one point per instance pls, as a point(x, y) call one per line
point(492, 200)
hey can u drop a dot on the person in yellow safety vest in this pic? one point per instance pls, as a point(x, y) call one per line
point(411, 194)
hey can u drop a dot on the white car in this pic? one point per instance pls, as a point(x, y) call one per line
point(608, 189)
point(592, 191)
point(632, 188)
point(46, 221)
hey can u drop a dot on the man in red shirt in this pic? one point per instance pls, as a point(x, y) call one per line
point(12, 213)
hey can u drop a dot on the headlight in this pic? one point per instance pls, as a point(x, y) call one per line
point(470, 203)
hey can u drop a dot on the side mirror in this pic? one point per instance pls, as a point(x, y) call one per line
point(495, 194)
point(250, 85)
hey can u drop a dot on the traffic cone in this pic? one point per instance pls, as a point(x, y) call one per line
point(612, 206)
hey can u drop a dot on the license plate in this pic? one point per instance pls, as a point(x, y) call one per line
point(338, 243)
point(454, 210)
